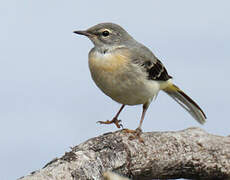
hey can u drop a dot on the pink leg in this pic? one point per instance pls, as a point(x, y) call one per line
point(114, 120)
point(145, 107)
point(136, 133)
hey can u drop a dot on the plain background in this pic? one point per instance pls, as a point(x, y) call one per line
point(48, 101)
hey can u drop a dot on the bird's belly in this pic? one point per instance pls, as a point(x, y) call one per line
point(124, 84)
point(126, 91)
point(131, 93)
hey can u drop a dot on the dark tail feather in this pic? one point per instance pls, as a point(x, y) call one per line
point(186, 102)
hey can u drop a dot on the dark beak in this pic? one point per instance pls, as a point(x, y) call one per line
point(85, 33)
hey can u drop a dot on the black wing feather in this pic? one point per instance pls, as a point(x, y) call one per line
point(156, 71)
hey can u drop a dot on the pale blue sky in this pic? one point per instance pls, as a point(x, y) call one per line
point(48, 101)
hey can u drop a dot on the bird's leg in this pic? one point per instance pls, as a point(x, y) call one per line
point(138, 131)
point(114, 120)
point(145, 107)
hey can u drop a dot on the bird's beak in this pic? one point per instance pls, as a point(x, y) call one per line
point(85, 33)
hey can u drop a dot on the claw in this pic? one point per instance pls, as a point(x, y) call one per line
point(103, 122)
point(121, 126)
point(114, 120)
point(136, 134)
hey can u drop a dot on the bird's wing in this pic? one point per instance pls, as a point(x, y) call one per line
point(150, 63)
point(156, 70)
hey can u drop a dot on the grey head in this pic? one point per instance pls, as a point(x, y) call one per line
point(106, 35)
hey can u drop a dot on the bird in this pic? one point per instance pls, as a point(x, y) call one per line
point(129, 72)
point(109, 175)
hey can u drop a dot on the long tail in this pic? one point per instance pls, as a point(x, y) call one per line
point(186, 102)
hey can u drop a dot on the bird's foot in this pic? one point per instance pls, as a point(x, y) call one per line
point(136, 134)
point(114, 120)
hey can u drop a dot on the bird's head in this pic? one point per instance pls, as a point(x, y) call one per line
point(106, 34)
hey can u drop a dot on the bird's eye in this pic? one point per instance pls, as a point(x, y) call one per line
point(105, 33)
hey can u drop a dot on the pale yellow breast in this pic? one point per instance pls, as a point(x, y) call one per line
point(107, 71)
point(108, 62)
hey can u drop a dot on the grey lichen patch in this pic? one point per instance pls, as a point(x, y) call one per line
point(69, 156)
point(108, 141)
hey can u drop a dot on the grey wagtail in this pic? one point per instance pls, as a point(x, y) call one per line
point(130, 73)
